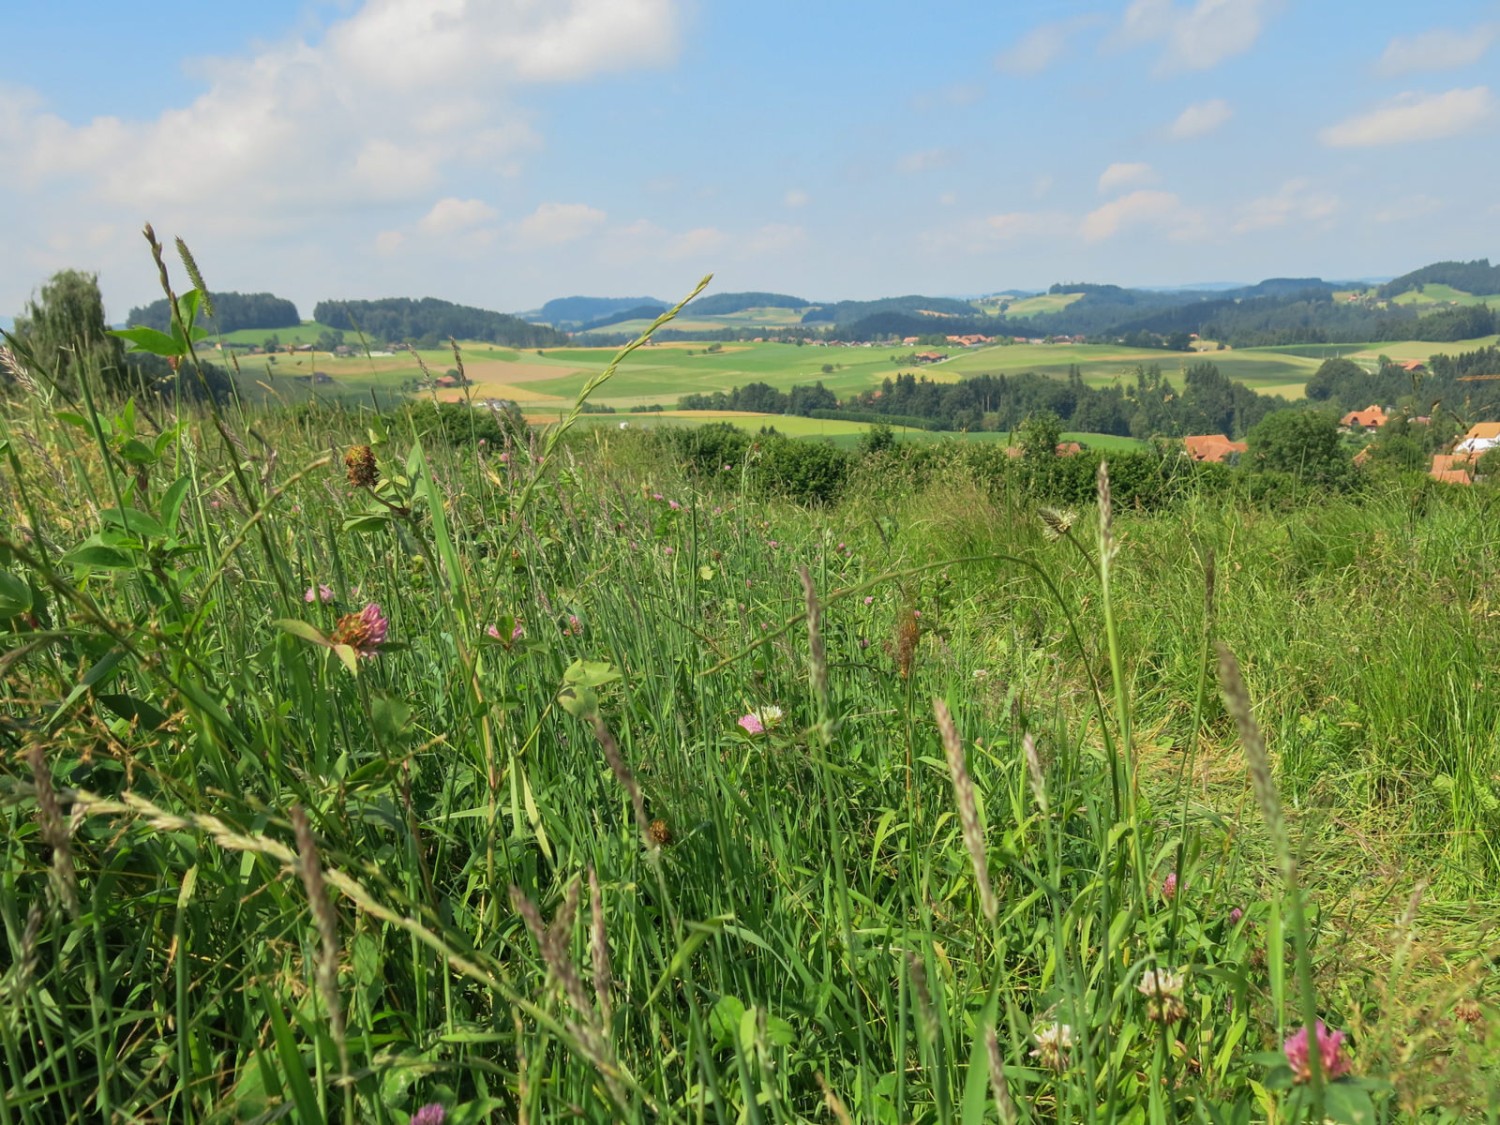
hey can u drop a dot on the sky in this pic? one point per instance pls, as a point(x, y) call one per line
point(500, 153)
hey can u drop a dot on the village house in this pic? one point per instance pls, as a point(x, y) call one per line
point(1369, 420)
point(1482, 437)
point(1213, 447)
point(1451, 468)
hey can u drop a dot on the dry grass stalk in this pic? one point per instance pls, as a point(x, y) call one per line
point(626, 779)
point(925, 1011)
point(1034, 771)
point(1237, 700)
point(968, 809)
point(54, 829)
point(817, 656)
point(834, 1103)
point(325, 917)
point(1106, 515)
point(998, 1086)
point(599, 949)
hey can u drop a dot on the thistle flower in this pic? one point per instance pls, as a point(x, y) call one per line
point(1163, 993)
point(1330, 1053)
point(360, 463)
point(319, 593)
point(364, 631)
point(431, 1114)
point(1053, 1041)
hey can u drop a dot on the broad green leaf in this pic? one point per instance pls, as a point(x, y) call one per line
point(590, 673)
point(301, 629)
point(133, 710)
point(135, 521)
point(150, 340)
point(99, 557)
point(15, 596)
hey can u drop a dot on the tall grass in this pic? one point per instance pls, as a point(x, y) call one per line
point(525, 861)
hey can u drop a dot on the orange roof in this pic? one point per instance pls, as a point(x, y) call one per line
point(1068, 448)
point(1374, 416)
point(1212, 447)
point(1412, 365)
point(1484, 431)
point(1451, 476)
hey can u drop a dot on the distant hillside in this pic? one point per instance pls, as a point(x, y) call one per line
point(1477, 276)
point(428, 322)
point(573, 311)
point(639, 312)
point(935, 309)
point(232, 312)
point(1282, 287)
point(723, 304)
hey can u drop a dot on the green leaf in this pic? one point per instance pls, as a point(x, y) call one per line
point(302, 629)
point(350, 658)
point(366, 523)
point(724, 1020)
point(133, 710)
point(150, 340)
point(138, 452)
point(99, 557)
point(135, 521)
point(290, 1058)
point(171, 503)
point(15, 596)
point(1348, 1104)
point(590, 673)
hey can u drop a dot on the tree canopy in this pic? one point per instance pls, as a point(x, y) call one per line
point(428, 322)
point(232, 312)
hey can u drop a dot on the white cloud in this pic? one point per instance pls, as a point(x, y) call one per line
point(451, 215)
point(981, 235)
point(1200, 119)
point(927, 158)
point(1294, 200)
point(395, 101)
point(1198, 36)
point(1040, 47)
point(1414, 117)
point(552, 224)
point(1439, 49)
point(1118, 176)
point(387, 242)
point(1154, 208)
point(796, 197)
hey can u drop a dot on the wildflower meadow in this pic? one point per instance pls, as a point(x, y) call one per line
point(357, 768)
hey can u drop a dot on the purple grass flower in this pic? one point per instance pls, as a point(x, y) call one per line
point(1330, 1053)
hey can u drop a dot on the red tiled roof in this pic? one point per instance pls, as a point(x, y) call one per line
point(1374, 416)
point(1212, 447)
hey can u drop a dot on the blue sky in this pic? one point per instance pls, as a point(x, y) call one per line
point(502, 152)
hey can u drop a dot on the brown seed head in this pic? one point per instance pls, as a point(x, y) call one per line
point(360, 461)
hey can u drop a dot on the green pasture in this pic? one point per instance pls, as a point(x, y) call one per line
point(1045, 303)
point(1444, 295)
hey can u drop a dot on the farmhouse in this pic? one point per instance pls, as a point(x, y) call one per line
point(1482, 436)
point(1369, 420)
point(1413, 366)
point(1212, 447)
point(1451, 468)
point(930, 357)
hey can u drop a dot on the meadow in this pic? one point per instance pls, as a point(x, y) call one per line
point(353, 768)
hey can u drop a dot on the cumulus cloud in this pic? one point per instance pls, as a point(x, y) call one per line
point(1414, 117)
point(552, 224)
point(1118, 176)
point(1200, 119)
point(450, 215)
point(393, 100)
point(1196, 36)
point(1294, 200)
point(1155, 208)
point(1040, 47)
point(1439, 49)
point(981, 235)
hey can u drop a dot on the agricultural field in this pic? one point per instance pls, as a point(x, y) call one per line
point(556, 780)
point(1042, 303)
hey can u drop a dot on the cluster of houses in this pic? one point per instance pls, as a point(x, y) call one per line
point(1455, 467)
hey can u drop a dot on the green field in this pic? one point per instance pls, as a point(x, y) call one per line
point(1444, 295)
point(1044, 303)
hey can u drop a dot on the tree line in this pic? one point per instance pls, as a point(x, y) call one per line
point(429, 322)
point(1147, 404)
point(231, 312)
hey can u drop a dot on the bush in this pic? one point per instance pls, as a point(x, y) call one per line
point(459, 424)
